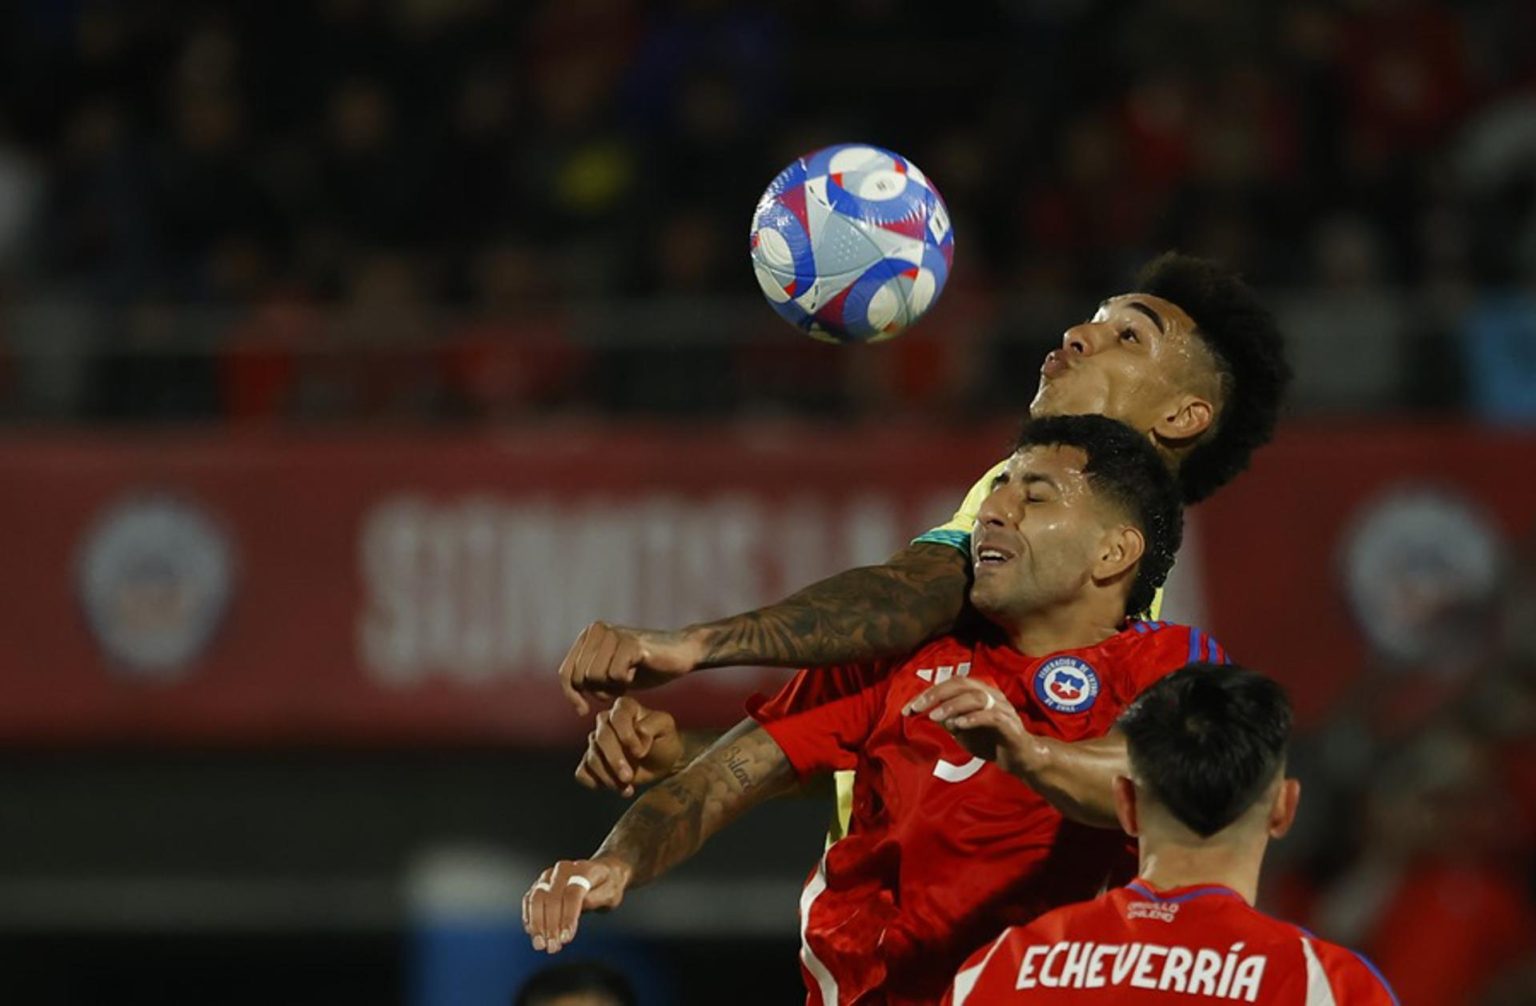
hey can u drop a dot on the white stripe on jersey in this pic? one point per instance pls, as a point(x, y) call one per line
point(1319, 992)
point(824, 981)
point(965, 981)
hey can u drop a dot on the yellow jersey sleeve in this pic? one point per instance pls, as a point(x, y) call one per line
point(956, 533)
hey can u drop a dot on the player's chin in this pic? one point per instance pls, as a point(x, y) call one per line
point(986, 592)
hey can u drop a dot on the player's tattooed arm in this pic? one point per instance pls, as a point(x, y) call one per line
point(664, 827)
point(1075, 777)
point(674, 819)
point(863, 614)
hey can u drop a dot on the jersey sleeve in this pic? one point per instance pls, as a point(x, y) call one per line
point(814, 687)
point(829, 736)
point(957, 532)
point(1351, 977)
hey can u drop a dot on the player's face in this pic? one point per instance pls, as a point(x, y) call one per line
point(1036, 536)
point(1133, 361)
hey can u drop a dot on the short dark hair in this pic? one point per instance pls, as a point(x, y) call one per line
point(1244, 340)
point(1207, 740)
point(569, 979)
point(1123, 466)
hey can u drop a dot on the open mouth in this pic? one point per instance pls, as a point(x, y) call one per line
point(990, 555)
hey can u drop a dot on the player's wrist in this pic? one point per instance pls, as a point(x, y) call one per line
point(1030, 757)
point(621, 868)
point(696, 645)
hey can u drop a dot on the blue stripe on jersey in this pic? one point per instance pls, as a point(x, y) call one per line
point(943, 536)
point(1140, 627)
point(1210, 650)
point(1194, 646)
point(1377, 972)
point(1198, 892)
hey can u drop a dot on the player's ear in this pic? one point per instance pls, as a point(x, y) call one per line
point(1185, 419)
point(1282, 813)
point(1119, 551)
point(1125, 806)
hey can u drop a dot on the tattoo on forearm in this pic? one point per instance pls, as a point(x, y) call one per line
point(866, 613)
point(677, 816)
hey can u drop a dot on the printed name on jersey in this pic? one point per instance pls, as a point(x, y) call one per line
point(1067, 685)
point(940, 675)
point(1162, 911)
point(1073, 964)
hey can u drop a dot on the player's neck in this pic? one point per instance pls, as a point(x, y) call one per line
point(1169, 865)
point(1063, 627)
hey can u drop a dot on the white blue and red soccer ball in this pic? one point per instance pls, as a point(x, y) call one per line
point(852, 243)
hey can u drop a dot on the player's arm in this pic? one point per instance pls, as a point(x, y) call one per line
point(664, 827)
point(631, 746)
point(859, 615)
point(1075, 777)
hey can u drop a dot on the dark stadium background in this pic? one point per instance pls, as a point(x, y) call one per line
point(354, 353)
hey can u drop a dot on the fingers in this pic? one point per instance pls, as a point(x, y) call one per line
point(553, 905)
point(624, 720)
point(956, 697)
point(939, 693)
point(572, 670)
point(602, 663)
point(605, 744)
point(594, 772)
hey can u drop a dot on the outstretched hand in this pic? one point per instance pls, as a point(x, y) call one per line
point(630, 746)
point(608, 660)
point(553, 905)
point(982, 719)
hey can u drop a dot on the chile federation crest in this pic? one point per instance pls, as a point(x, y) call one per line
point(1066, 685)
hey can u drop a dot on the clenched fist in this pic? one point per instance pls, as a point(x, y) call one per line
point(609, 660)
point(630, 746)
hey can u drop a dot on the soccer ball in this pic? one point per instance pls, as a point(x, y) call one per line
point(852, 243)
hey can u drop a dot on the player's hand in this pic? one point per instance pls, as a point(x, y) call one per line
point(982, 719)
point(553, 905)
point(630, 746)
point(609, 660)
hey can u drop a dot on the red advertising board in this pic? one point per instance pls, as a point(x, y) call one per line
point(226, 588)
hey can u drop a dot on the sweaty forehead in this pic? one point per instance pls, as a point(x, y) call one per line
point(1173, 315)
point(1058, 462)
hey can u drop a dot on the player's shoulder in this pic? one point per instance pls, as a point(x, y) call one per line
point(1351, 976)
point(1167, 642)
point(1348, 975)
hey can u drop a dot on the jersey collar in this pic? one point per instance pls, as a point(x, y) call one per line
point(1176, 895)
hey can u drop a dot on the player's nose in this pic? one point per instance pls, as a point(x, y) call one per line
point(1082, 340)
point(997, 510)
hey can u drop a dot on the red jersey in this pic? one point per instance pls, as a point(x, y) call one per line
point(945, 850)
point(1190, 944)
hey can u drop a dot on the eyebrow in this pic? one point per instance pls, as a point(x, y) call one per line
point(1157, 319)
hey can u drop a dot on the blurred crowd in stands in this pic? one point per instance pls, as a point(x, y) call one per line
point(1416, 841)
point(468, 208)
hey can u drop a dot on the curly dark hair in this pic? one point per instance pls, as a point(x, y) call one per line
point(1125, 468)
point(1245, 342)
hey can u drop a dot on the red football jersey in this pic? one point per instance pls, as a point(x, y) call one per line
point(946, 850)
point(1141, 945)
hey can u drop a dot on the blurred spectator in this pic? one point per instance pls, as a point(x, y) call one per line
point(579, 984)
point(515, 355)
point(1439, 895)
